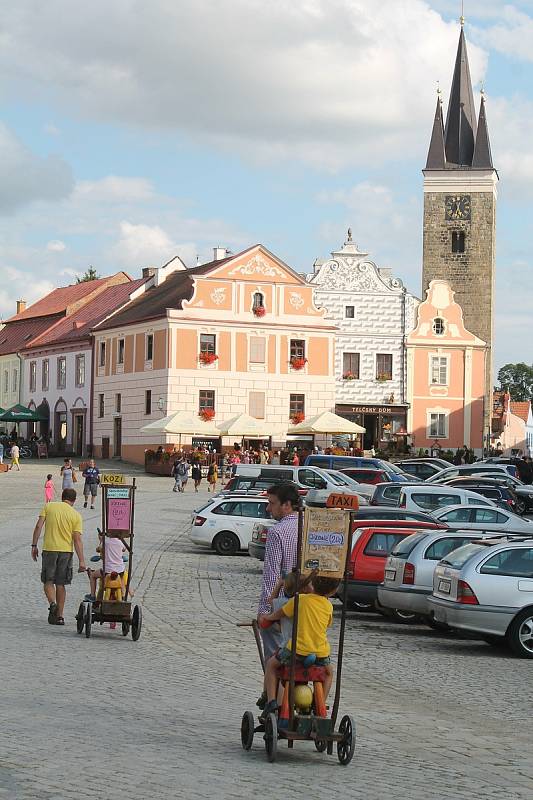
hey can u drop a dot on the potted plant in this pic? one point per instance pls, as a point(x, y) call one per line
point(259, 311)
point(298, 417)
point(349, 376)
point(382, 377)
point(207, 358)
point(298, 362)
point(207, 414)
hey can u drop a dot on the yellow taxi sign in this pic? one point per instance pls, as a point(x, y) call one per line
point(350, 501)
point(112, 479)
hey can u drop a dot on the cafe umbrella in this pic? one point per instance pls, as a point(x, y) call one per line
point(326, 423)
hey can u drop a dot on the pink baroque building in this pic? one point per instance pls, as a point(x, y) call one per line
point(240, 334)
point(445, 375)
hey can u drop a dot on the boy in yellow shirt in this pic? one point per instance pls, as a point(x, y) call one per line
point(315, 614)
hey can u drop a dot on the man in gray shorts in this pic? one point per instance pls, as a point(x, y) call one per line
point(62, 534)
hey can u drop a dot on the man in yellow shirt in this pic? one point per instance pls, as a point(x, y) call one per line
point(315, 614)
point(62, 534)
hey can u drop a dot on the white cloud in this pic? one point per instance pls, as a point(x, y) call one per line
point(144, 245)
point(328, 81)
point(26, 177)
point(15, 286)
point(56, 246)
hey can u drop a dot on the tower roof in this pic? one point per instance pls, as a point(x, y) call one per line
point(436, 153)
point(460, 131)
point(482, 156)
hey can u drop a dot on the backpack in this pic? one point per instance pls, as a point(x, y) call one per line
point(182, 469)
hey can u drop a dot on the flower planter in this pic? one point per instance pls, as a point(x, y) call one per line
point(207, 414)
point(349, 376)
point(259, 311)
point(297, 418)
point(298, 363)
point(163, 468)
point(207, 358)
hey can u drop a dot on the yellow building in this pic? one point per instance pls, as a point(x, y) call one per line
point(240, 334)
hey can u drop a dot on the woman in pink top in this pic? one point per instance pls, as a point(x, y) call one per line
point(49, 489)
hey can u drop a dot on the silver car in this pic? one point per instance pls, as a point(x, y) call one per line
point(483, 518)
point(409, 569)
point(348, 484)
point(488, 589)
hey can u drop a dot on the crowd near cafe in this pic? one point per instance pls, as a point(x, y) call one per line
point(385, 425)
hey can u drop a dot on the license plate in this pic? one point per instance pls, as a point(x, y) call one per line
point(390, 574)
point(445, 587)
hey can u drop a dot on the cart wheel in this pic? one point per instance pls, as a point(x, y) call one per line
point(271, 737)
point(346, 746)
point(136, 623)
point(80, 618)
point(247, 730)
point(125, 628)
point(320, 745)
point(88, 619)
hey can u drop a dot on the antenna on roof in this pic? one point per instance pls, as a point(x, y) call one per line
point(462, 18)
point(197, 260)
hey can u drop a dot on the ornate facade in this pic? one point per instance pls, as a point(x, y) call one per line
point(373, 312)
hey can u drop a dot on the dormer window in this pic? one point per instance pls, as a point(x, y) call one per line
point(438, 326)
point(258, 304)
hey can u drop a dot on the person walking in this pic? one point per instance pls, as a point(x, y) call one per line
point(212, 476)
point(92, 479)
point(15, 456)
point(1, 453)
point(68, 474)
point(196, 474)
point(63, 528)
point(180, 472)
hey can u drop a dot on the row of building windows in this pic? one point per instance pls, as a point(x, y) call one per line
point(206, 402)
point(351, 368)
point(61, 373)
point(14, 381)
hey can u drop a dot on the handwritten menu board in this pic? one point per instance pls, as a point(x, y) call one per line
point(118, 501)
point(325, 541)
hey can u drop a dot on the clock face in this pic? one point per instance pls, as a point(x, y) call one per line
point(457, 206)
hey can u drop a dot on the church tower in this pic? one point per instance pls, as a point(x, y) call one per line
point(460, 191)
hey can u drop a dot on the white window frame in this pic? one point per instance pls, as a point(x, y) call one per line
point(119, 362)
point(446, 366)
point(146, 337)
point(33, 377)
point(45, 374)
point(446, 414)
point(250, 409)
point(79, 359)
point(61, 385)
point(264, 341)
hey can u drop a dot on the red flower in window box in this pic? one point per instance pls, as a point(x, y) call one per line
point(207, 358)
point(259, 311)
point(207, 414)
point(298, 417)
point(298, 363)
point(349, 376)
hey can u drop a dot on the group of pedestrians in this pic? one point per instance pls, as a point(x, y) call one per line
point(180, 473)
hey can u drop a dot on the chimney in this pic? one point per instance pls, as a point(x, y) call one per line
point(148, 272)
point(219, 253)
point(21, 306)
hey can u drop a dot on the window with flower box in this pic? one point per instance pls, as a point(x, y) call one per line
point(384, 367)
point(206, 400)
point(296, 405)
point(350, 366)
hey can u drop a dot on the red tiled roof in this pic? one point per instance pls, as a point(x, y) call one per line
point(58, 300)
point(79, 324)
point(520, 409)
point(15, 336)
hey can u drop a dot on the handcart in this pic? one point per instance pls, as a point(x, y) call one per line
point(118, 507)
point(303, 713)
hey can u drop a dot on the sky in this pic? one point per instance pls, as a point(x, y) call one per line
point(131, 132)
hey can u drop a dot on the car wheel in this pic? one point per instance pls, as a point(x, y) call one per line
point(405, 617)
point(226, 543)
point(520, 634)
point(520, 506)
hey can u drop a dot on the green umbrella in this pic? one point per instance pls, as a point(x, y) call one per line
point(19, 413)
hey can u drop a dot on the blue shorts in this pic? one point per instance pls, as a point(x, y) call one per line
point(284, 657)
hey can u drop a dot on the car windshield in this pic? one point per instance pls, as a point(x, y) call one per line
point(458, 558)
point(389, 467)
point(337, 480)
point(406, 546)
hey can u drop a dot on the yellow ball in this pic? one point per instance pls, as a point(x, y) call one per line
point(303, 696)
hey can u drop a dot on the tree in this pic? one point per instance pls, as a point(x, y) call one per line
point(90, 274)
point(517, 379)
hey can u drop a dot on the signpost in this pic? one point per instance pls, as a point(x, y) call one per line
point(111, 479)
point(325, 541)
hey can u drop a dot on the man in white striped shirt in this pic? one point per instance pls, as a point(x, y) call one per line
point(280, 554)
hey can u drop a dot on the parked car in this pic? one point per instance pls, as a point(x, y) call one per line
point(441, 463)
point(357, 462)
point(472, 469)
point(387, 494)
point(420, 468)
point(425, 497)
point(371, 545)
point(304, 477)
point(523, 491)
point(502, 495)
point(249, 484)
point(487, 588)
point(370, 476)
point(226, 525)
point(408, 578)
point(348, 484)
point(482, 518)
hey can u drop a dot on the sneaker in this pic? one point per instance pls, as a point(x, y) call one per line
point(92, 508)
point(52, 614)
point(262, 700)
point(85, 505)
point(90, 598)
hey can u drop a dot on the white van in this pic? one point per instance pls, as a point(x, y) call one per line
point(247, 477)
point(426, 497)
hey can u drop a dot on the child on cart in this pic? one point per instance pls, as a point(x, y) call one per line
point(113, 549)
point(315, 614)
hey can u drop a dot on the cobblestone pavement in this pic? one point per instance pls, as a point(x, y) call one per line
point(437, 717)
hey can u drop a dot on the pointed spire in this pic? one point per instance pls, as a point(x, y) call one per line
point(436, 154)
point(482, 156)
point(460, 131)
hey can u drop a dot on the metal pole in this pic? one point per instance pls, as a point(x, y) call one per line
point(130, 560)
point(341, 631)
point(292, 668)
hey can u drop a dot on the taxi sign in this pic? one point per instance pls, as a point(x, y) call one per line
point(348, 501)
point(112, 479)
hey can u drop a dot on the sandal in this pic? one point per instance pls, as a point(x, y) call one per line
point(60, 621)
point(52, 614)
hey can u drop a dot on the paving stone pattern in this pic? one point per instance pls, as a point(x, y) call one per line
point(437, 717)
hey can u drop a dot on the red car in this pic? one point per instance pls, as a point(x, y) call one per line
point(372, 543)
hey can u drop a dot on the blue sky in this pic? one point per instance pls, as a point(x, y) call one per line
point(130, 132)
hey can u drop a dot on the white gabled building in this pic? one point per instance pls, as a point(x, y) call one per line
point(374, 312)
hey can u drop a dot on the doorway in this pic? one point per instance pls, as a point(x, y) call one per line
point(117, 437)
point(370, 437)
point(61, 431)
point(78, 434)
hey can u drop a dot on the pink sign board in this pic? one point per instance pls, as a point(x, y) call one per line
point(118, 514)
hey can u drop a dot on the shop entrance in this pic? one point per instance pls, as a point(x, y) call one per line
point(370, 437)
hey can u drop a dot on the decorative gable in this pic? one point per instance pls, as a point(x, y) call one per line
point(257, 264)
point(440, 319)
